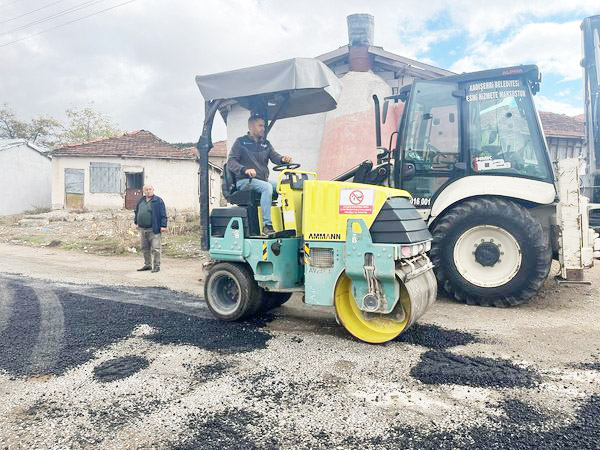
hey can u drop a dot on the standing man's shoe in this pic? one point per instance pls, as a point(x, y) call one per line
point(141, 269)
point(155, 269)
point(267, 230)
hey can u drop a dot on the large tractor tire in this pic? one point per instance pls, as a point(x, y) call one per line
point(490, 252)
point(231, 292)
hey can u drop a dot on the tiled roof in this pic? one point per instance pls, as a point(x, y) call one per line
point(219, 149)
point(139, 144)
point(561, 125)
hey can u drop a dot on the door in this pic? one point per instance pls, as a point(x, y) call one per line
point(74, 188)
point(430, 141)
point(134, 183)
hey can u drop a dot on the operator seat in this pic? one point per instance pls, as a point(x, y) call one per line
point(240, 197)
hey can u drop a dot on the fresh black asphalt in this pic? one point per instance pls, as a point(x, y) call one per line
point(87, 318)
point(95, 317)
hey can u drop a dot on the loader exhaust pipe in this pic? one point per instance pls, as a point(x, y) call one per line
point(377, 121)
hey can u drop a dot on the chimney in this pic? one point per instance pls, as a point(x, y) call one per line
point(361, 28)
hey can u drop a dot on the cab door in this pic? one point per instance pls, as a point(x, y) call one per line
point(429, 143)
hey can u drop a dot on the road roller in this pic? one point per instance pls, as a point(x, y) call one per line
point(360, 249)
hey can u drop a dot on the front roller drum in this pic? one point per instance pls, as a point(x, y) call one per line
point(417, 294)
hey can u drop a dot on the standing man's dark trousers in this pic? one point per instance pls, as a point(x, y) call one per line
point(150, 247)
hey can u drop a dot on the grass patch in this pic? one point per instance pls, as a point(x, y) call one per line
point(181, 246)
point(33, 239)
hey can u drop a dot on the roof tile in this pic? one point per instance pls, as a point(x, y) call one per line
point(139, 144)
point(561, 125)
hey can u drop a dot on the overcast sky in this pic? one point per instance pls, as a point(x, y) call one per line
point(137, 61)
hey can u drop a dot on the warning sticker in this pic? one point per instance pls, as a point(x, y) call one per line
point(487, 163)
point(357, 201)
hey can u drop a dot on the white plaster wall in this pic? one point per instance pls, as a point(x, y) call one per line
point(25, 180)
point(298, 137)
point(175, 181)
point(350, 132)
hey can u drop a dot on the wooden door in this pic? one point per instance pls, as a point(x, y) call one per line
point(74, 188)
point(134, 182)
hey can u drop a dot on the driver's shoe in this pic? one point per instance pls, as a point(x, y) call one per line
point(267, 230)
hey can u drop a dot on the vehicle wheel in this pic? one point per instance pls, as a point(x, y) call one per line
point(272, 300)
point(490, 252)
point(231, 292)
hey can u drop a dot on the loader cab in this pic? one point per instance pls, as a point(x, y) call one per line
point(482, 123)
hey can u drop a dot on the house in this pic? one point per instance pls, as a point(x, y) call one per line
point(25, 180)
point(332, 142)
point(565, 135)
point(110, 173)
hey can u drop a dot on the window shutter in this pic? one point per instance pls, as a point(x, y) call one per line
point(105, 177)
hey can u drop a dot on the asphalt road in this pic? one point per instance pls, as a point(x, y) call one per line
point(89, 366)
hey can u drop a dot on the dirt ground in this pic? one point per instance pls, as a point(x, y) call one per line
point(109, 232)
point(111, 361)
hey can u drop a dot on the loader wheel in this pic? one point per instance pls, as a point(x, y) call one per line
point(231, 292)
point(374, 330)
point(272, 300)
point(490, 252)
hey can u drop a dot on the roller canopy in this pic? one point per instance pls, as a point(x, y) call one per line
point(289, 88)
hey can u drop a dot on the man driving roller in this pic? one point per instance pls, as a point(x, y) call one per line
point(248, 160)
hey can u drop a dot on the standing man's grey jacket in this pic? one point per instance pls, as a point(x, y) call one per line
point(247, 153)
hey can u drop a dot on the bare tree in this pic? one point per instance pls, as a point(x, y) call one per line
point(84, 125)
point(87, 125)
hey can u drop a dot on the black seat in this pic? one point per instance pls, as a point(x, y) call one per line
point(243, 197)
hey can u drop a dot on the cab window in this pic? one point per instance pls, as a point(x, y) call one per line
point(502, 133)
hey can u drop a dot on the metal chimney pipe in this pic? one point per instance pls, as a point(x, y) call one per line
point(361, 28)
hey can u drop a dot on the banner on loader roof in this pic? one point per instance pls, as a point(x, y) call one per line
point(494, 90)
point(356, 201)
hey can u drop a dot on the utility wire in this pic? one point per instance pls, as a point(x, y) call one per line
point(53, 16)
point(31, 12)
point(9, 3)
point(66, 23)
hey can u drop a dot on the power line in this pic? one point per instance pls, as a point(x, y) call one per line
point(53, 16)
point(9, 3)
point(66, 23)
point(31, 12)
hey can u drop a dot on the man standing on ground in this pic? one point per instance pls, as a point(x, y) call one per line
point(249, 159)
point(151, 219)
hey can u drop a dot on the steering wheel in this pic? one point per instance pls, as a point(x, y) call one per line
point(281, 167)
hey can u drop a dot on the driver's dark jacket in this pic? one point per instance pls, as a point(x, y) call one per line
point(247, 153)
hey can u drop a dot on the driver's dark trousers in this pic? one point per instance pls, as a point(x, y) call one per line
point(266, 189)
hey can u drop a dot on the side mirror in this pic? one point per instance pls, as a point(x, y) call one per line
point(408, 170)
point(386, 105)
